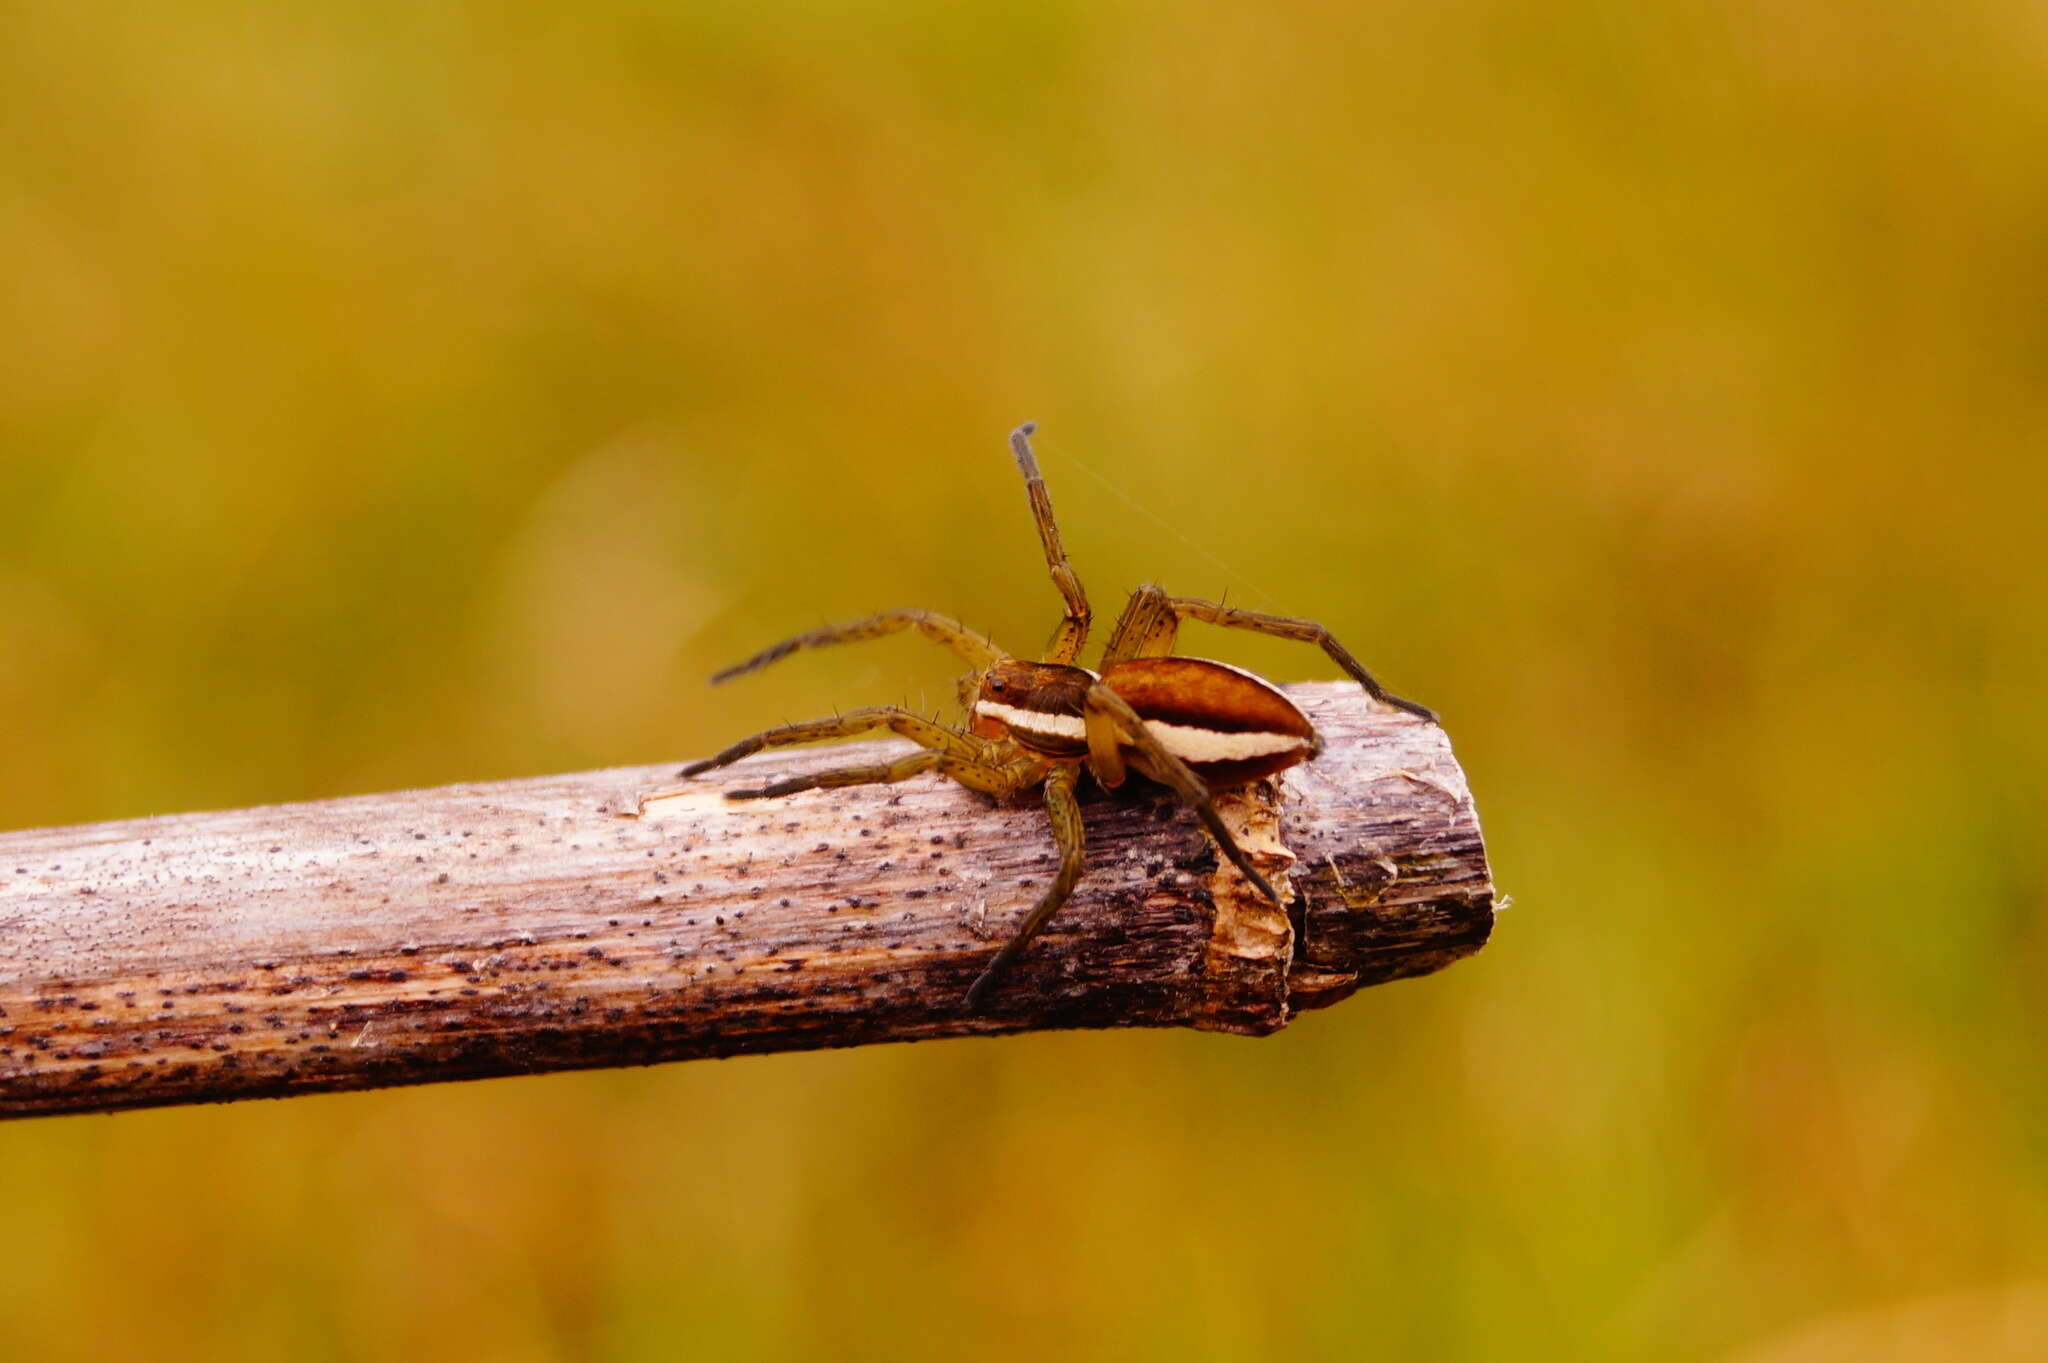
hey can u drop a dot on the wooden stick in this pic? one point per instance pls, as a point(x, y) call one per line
point(543, 925)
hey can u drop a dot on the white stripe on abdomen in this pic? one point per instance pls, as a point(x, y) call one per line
point(1191, 743)
point(1188, 742)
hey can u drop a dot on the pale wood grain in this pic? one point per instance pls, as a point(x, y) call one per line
point(533, 925)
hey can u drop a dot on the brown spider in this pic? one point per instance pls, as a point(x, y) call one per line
point(1186, 723)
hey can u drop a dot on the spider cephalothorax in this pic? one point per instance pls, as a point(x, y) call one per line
point(1186, 723)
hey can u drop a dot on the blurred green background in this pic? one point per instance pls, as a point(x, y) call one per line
point(418, 393)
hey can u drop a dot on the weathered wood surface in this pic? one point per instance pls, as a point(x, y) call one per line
point(535, 925)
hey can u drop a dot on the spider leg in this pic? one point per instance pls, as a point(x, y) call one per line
point(1063, 811)
point(950, 632)
point(1145, 629)
point(1151, 619)
point(969, 772)
point(1072, 632)
point(915, 727)
point(1106, 707)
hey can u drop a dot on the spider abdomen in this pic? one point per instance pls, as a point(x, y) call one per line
point(1231, 726)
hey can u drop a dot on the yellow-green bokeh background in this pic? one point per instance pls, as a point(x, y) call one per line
point(398, 394)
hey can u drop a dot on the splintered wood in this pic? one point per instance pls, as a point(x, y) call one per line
point(554, 924)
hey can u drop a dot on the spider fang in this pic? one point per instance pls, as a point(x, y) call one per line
point(1189, 724)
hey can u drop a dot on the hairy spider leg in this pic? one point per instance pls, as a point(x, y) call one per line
point(962, 757)
point(971, 772)
point(924, 732)
point(1072, 632)
point(943, 629)
point(1151, 619)
point(1063, 811)
point(1105, 707)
